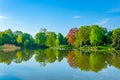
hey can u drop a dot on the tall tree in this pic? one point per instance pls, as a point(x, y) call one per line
point(25, 40)
point(107, 38)
point(116, 37)
point(11, 35)
point(57, 42)
point(16, 34)
point(40, 38)
point(51, 38)
point(62, 39)
point(96, 35)
point(28, 40)
point(4, 38)
point(71, 36)
point(82, 36)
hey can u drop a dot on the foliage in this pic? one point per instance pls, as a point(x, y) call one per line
point(25, 40)
point(4, 38)
point(62, 39)
point(96, 35)
point(107, 38)
point(57, 42)
point(85, 61)
point(71, 36)
point(40, 38)
point(95, 60)
point(91, 61)
point(82, 36)
point(116, 37)
point(49, 56)
point(85, 36)
point(51, 38)
point(19, 40)
point(72, 59)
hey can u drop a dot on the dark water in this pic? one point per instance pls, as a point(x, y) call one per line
point(59, 65)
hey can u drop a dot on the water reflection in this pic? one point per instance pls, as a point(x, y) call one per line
point(93, 61)
point(50, 56)
point(16, 57)
point(86, 61)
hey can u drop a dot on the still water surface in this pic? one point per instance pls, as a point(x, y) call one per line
point(59, 65)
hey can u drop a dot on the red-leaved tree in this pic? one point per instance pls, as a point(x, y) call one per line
point(71, 36)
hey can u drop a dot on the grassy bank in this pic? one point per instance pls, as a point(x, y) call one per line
point(96, 48)
point(63, 47)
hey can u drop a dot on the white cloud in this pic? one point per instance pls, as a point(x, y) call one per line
point(104, 21)
point(3, 17)
point(76, 17)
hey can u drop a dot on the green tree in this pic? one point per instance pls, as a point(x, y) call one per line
point(51, 38)
point(4, 38)
point(57, 42)
point(16, 34)
point(19, 40)
point(28, 40)
point(11, 35)
point(40, 39)
point(116, 37)
point(107, 38)
point(29, 43)
point(61, 39)
point(25, 40)
point(96, 35)
point(82, 36)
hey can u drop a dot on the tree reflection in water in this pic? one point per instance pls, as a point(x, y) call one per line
point(50, 56)
point(93, 61)
point(87, 61)
point(16, 57)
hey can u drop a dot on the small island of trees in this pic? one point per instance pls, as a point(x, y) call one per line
point(88, 37)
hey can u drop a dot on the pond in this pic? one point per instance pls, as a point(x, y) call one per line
point(52, 64)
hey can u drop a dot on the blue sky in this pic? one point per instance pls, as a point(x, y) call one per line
point(58, 15)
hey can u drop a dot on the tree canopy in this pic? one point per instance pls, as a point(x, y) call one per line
point(71, 36)
point(116, 37)
point(96, 35)
point(93, 35)
point(82, 36)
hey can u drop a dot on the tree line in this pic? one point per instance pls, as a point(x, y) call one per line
point(94, 35)
point(42, 39)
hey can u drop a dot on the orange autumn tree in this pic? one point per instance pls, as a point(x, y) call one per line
point(71, 36)
point(72, 59)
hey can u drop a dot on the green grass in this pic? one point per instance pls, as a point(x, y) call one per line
point(63, 47)
point(97, 48)
point(0, 47)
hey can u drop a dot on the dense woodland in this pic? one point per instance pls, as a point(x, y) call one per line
point(42, 39)
point(94, 35)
